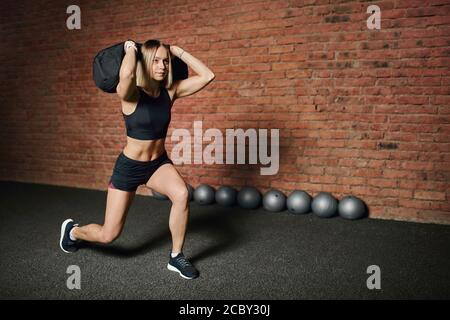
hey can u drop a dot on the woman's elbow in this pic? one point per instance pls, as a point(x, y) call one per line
point(126, 74)
point(210, 77)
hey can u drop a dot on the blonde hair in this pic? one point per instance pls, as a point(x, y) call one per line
point(144, 69)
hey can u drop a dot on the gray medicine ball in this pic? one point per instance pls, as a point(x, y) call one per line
point(351, 208)
point(204, 194)
point(324, 205)
point(299, 202)
point(249, 198)
point(274, 200)
point(226, 196)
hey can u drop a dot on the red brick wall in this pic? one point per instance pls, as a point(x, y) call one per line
point(362, 112)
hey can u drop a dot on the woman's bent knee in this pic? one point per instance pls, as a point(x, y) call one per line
point(108, 237)
point(180, 195)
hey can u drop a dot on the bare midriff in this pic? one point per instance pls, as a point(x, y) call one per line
point(144, 150)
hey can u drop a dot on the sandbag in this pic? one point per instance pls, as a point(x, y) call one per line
point(107, 62)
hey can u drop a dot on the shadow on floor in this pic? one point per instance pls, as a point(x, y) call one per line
point(217, 226)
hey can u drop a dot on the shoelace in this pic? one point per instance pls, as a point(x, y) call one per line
point(184, 263)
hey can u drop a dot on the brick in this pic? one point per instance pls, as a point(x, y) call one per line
point(434, 216)
point(351, 181)
point(429, 195)
point(383, 183)
point(396, 193)
point(419, 204)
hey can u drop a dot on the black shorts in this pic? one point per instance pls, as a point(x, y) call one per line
point(128, 173)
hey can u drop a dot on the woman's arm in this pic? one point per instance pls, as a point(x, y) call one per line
point(192, 84)
point(127, 73)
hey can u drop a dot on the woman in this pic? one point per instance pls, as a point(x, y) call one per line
point(147, 93)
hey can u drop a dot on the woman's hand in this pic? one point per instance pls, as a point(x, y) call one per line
point(129, 44)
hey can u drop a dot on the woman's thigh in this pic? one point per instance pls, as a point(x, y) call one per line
point(117, 204)
point(168, 181)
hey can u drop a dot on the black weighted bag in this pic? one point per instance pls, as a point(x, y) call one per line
point(107, 62)
point(106, 67)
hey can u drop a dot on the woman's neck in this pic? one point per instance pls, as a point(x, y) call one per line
point(153, 88)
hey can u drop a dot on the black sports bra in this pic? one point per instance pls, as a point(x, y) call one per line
point(151, 117)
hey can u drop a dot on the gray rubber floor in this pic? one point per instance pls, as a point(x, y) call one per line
point(241, 254)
